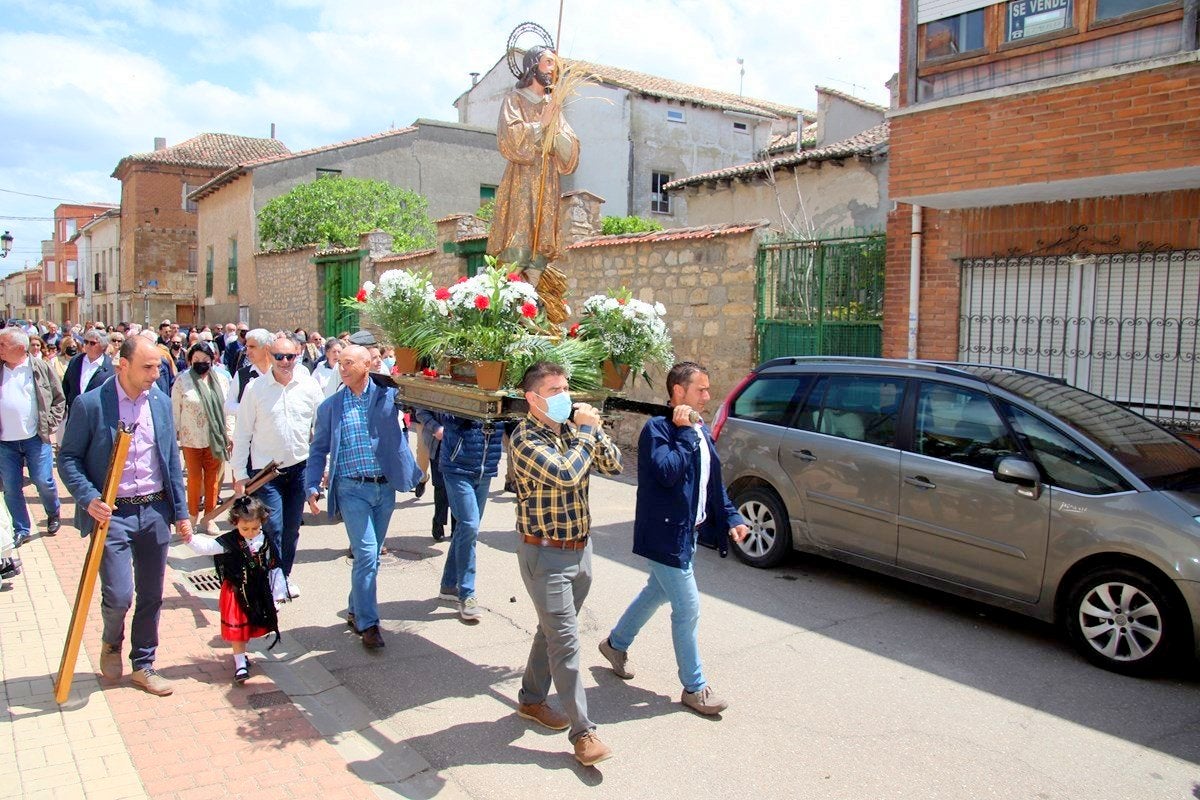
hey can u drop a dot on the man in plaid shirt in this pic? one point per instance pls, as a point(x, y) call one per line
point(552, 459)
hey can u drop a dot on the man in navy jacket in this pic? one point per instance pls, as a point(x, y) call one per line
point(358, 428)
point(680, 498)
point(150, 497)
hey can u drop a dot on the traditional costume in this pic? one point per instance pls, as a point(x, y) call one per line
point(251, 583)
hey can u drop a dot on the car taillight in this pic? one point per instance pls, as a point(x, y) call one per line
point(723, 411)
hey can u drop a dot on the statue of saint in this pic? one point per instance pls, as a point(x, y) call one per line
point(540, 147)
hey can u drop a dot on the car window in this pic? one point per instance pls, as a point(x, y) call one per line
point(771, 398)
point(1064, 462)
point(864, 408)
point(960, 425)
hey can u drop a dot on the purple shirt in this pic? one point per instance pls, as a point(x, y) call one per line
point(142, 474)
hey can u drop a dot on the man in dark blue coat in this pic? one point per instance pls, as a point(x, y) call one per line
point(150, 497)
point(680, 498)
point(358, 429)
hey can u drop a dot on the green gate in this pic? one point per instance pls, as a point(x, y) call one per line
point(338, 275)
point(822, 296)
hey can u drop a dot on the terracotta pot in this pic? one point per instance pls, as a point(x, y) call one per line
point(406, 361)
point(489, 375)
point(615, 375)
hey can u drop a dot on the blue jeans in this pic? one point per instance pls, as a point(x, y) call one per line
point(135, 563)
point(366, 508)
point(467, 499)
point(284, 498)
point(678, 586)
point(13, 458)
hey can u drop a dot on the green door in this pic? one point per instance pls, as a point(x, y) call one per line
point(339, 281)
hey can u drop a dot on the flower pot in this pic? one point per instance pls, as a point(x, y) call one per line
point(615, 375)
point(489, 375)
point(406, 360)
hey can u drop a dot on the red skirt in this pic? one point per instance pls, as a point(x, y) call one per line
point(234, 625)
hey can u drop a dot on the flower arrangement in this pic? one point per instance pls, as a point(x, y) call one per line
point(398, 304)
point(632, 331)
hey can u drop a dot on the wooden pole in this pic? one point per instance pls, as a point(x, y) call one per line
point(264, 475)
point(91, 568)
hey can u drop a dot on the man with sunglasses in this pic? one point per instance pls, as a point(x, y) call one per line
point(88, 369)
point(274, 423)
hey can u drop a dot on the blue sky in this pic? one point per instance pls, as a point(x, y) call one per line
point(88, 83)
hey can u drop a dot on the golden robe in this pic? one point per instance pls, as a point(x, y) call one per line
point(520, 138)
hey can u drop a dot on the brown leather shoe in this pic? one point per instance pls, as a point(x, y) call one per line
point(589, 750)
point(372, 639)
point(544, 715)
point(111, 665)
point(149, 680)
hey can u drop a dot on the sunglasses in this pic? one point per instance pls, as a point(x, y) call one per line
point(285, 356)
point(110, 341)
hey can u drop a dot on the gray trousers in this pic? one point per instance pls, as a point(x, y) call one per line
point(558, 582)
point(135, 561)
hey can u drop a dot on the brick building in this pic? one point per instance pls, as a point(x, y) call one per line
point(158, 249)
point(1045, 158)
point(60, 262)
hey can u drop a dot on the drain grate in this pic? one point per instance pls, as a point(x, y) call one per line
point(268, 699)
point(205, 580)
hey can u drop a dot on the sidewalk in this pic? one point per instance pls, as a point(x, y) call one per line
point(291, 731)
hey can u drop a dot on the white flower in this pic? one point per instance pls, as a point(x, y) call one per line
point(660, 309)
point(368, 287)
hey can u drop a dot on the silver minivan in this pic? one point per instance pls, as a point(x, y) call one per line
point(1002, 485)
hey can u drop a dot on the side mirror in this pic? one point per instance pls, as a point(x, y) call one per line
point(1020, 471)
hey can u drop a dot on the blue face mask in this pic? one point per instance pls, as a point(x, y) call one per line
point(558, 407)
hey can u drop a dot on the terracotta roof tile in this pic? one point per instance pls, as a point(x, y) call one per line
point(669, 235)
point(412, 254)
point(668, 89)
point(242, 167)
point(868, 142)
point(209, 150)
point(784, 143)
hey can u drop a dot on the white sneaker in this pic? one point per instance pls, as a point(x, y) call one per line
point(469, 609)
point(293, 589)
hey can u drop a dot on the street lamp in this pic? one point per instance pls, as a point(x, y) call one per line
point(5, 244)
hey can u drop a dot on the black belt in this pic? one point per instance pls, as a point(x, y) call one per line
point(369, 478)
point(142, 499)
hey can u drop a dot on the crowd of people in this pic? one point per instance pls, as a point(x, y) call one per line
point(296, 418)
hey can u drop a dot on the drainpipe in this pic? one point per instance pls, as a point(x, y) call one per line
point(914, 282)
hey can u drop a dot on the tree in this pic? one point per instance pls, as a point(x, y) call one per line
point(335, 211)
point(616, 225)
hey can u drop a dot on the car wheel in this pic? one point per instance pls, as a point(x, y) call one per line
point(1121, 620)
point(770, 536)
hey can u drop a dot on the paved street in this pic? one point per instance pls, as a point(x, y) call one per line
point(842, 684)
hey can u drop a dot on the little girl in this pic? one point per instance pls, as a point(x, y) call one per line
point(252, 584)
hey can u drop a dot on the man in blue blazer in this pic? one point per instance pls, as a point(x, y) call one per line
point(150, 497)
point(680, 498)
point(358, 428)
point(87, 370)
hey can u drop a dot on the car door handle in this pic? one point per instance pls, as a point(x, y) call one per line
point(804, 455)
point(920, 481)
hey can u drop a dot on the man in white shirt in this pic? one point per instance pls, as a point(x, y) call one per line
point(274, 423)
point(31, 407)
point(326, 373)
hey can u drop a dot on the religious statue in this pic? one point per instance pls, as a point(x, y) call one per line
point(540, 147)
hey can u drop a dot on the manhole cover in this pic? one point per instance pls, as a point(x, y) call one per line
point(205, 580)
point(268, 699)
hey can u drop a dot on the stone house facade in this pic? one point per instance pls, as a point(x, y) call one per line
point(1047, 171)
point(455, 167)
point(99, 243)
point(159, 251)
point(638, 132)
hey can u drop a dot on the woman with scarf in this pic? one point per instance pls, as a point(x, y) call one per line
point(205, 430)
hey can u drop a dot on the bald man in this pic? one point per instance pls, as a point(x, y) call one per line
point(363, 477)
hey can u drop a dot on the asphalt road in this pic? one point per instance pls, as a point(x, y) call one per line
point(842, 684)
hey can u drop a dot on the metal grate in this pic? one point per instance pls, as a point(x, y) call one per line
point(268, 699)
point(205, 580)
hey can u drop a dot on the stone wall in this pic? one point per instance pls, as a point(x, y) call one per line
point(287, 282)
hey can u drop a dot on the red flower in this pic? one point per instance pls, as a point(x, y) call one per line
point(463, 279)
point(429, 372)
point(442, 293)
point(620, 301)
point(529, 310)
point(515, 276)
point(396, 370)
point(361, 296)
point(482, 301)
point(574, 331)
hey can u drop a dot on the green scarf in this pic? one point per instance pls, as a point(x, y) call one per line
point(214, 409)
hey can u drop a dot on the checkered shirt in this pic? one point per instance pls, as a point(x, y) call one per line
point(552, 471)
point(356, 457)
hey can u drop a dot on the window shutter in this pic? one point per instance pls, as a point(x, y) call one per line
point(930, 10)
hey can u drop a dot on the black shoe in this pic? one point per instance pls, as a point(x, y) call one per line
point(9, 568)
point(510, 487)
point(20, 539)
point(419, 492)
point(439, 532)
point(53, 525)
point(241, 674)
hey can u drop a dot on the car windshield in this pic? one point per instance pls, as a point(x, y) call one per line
point(1151, 453)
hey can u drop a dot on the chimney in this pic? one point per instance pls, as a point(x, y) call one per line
point(272, 130)
point(160, 143)
point(474, 78)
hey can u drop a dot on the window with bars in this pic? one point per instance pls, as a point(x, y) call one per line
point(208, 272)
point(231, 272)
